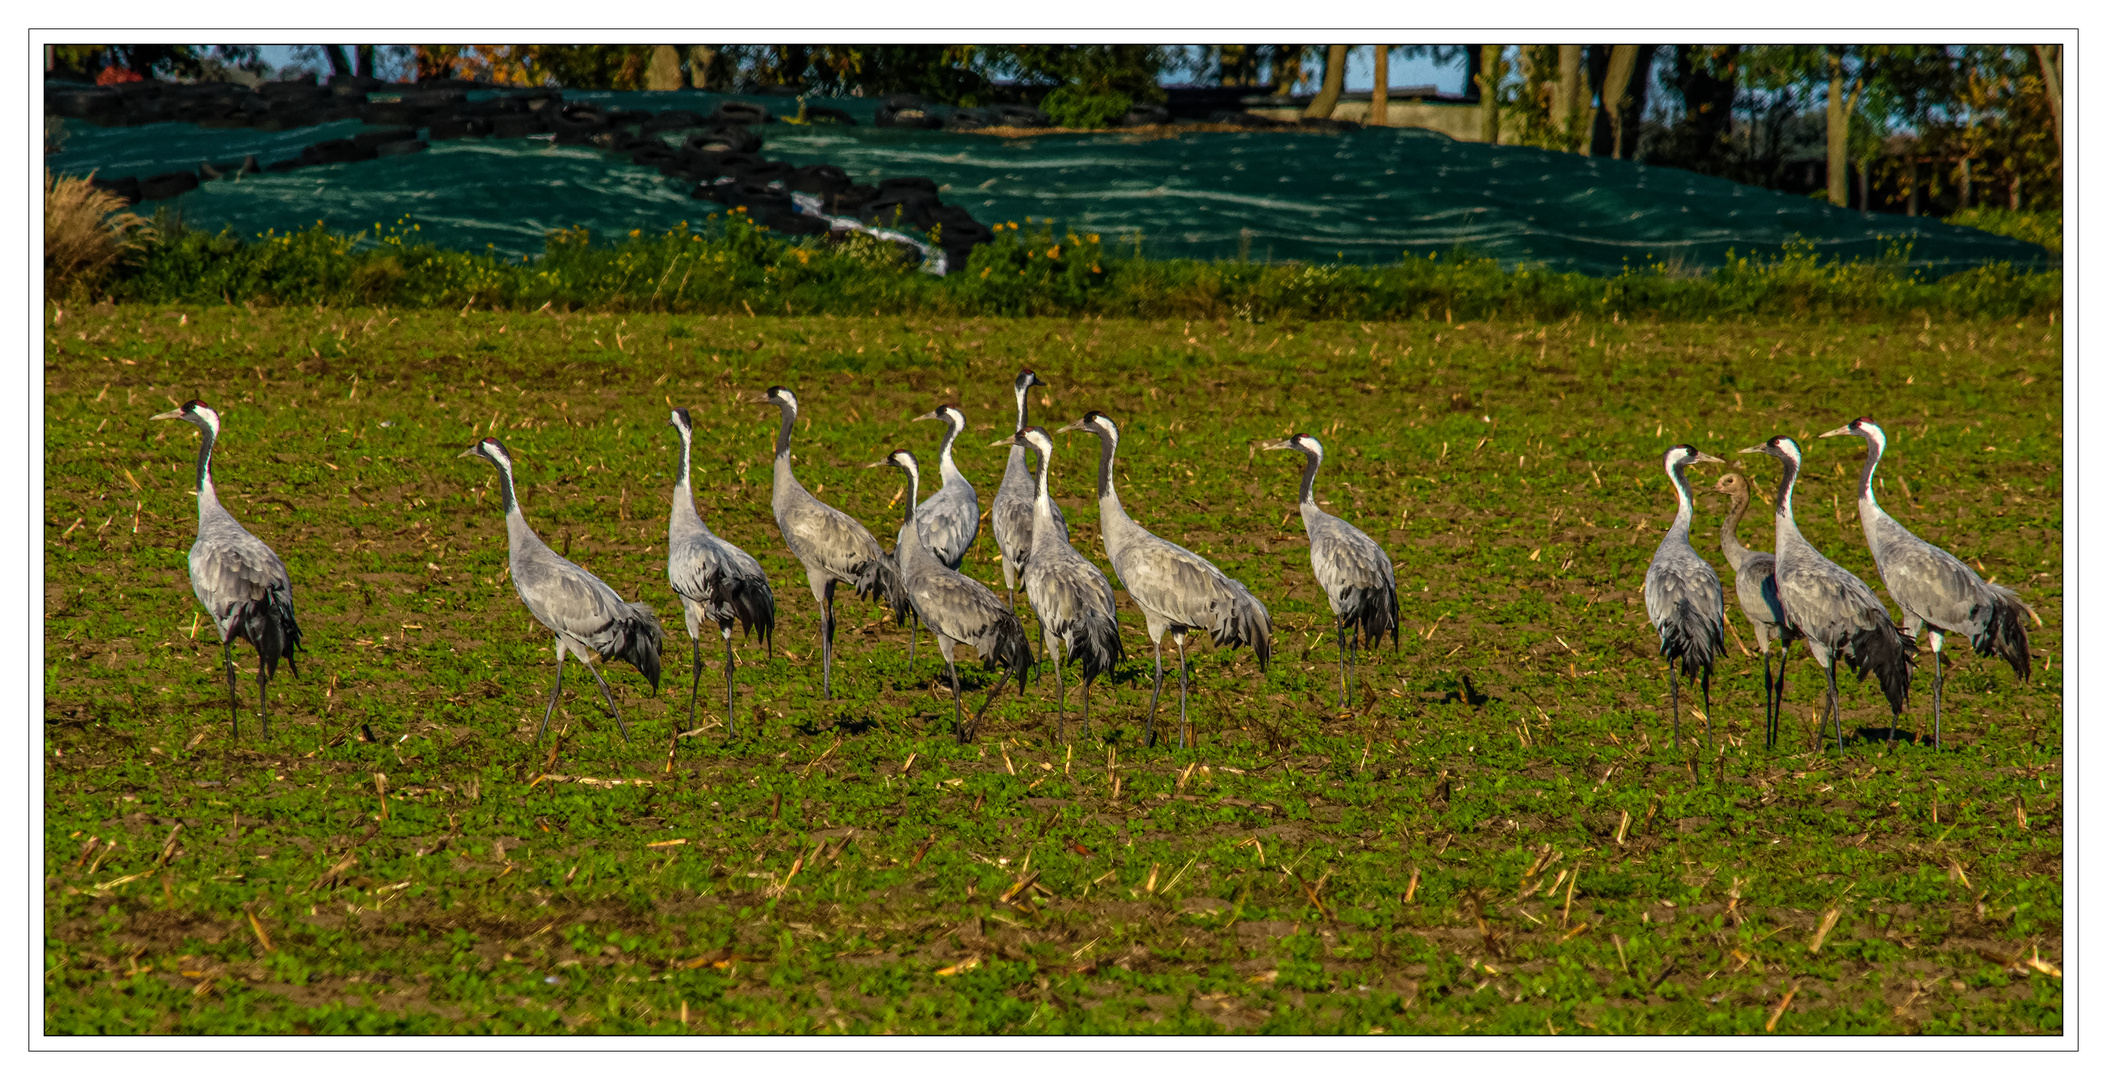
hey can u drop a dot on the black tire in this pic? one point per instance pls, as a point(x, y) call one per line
point(1145, 116)
point(1023, 116)
point(722, 140)
point(764, 172)
point(671, 120)
point(791, 223)
point(968, 120)
point(850, 203)
point(516, 125)
point(452, 127)
point(895, 211)
point(916, 119)
point(406, 146)
point(898, 185)
point(167, 185)
point(739, 113)
point(124, 187)
point(376, 139)
point(907, 101)
point(335, 152)
point(820, 114)
point(821, 179)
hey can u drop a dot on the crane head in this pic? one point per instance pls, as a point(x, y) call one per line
point(1027, 379)
point(1686, 454)
point(1778, 446)
point(1863, 427)
point(491, 450)
point(1097, 422)
point(1732, 483)
point(780, 395)
point(196, 412)
point(1033, 436)
point(948, 413)
point(682, 420)
point(1307, 444)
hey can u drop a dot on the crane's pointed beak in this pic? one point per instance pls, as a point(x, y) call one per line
point(1276, 444)
point(1707, 459)
point(1759, 448)
point(930, 416)
point(1845, 430)
point(473, 451)
point(1077, 426)
point(172, 414)
point(1010, 440)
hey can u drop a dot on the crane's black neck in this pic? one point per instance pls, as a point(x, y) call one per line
point(782, 438)
point(205, 458)
point(1107, 443)
point(1312, 459)
point(1786, 476)
point(914, 495)
point(953, 426)
point(504, 480)
point(1024, 420)
point(1684, 504)
point(1045, 467)
point(1865, 475)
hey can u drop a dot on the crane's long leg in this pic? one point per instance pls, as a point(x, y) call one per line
point(826, 644)
point(958, 716)
point(914, 634)
point(1183, 724)
point(1344, 666)
point(695, 687)
point(608, 695)
point(1777, 715)
point(1938, 680)
point(1149, 732)
point(1674, 711)
point(233, 691)
point(726, 630)
point(1836, 714)
point(553, 692)
point(1353, 653)
point(1060, 691)
point(1086, 708)
point(263, 696)
point(1704, 679)
point(1770, 715)
point(975, 728)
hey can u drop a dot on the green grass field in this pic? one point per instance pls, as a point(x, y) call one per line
point(1498, 838)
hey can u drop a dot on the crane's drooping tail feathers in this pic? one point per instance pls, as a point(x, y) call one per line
point(1371, 613)
point(1097, 648)
point(1012, 649)
point(268, 625)
point(879, 580)
point(1246, 622)
point(753, 606)
point(2005, 634)
point(1887, 654)
point(638, 639)
point(1692, 640)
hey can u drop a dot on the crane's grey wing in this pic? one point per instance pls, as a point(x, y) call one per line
point(244, 586)
point(962, 609)
point(574, 603)
point(820, 535)
point(1193, 592)
point(1074, 600)
point(949, 520)
point(1756, 589)
point(1347, 563)
point(1935, 588)
point(1687, 607)
point(722, 583)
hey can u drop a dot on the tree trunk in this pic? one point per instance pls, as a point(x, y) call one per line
point(1491, 70)
point(364, 55)
point(2052, 85)
point(664, 72)
point(704, 67)
point(1839, 123)
point(1327, 98)
point(2015, 191)
point(1379, 101)
point(1287, 69)
point(339, 64)
point(1967, 183)
point(1566, 93)
point(1623, 59)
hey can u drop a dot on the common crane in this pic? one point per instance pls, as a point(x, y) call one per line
point(835, 548)
point(950, 520)
point(1936, 591)
point(716, 582)
point(1010, 517)
point(1683, 599)
point(1756, 587)
point(1825, 604)
point(956, 608)
point(586, 616)
point(1353, 570)
point(1077, 614)
point(1177, 591)
point(239, 579)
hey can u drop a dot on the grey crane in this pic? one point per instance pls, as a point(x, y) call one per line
point(1756, 587)
point(949, 520)
point(1683, 598)
point(1353, 570)
point(1177, 591)
point(586, 616)
point(1828, 606)
point(956, 608)
point(835, 548)
point(1010, 517)
point(716, 582)
point(239, 579)
point(1936, 591)
point(1077, 614)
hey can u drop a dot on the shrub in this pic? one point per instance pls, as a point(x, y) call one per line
point(2044, 227)
point(87, 233)
point(1074, 107)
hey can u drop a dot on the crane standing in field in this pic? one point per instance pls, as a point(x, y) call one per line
point(949, 521)
point(956, 608)
point(1756, 587)
point(716, 582)
point(1077, 614)
point(1010, 517)
point(1827, 605)
point(239, 579)
point(1177, 591)
point(586, 616)
point(835, 548)
point(1353, 570)
point(1935, 590)
point(1683, 598)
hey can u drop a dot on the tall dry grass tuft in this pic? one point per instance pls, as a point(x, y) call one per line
point(87, 231)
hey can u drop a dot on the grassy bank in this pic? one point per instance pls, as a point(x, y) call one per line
point(726, 266)
point(1501, 839)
